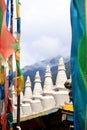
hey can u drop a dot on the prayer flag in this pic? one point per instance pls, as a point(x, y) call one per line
point(6, 38)
point(7, 13)
point(79, 62)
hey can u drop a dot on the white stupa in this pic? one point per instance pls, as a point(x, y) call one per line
point(48, 83)
point(60, 92)
point(28, 91)
point(46, 100)
point(61, 75)
point(30, 103)
point(14, 93)
point(37, 86)
point(26, 107)
point(14, 96)
point(15, 103)
point(42, 99)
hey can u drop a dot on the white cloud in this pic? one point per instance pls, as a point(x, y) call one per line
point(44, 16)
point(44, 48)
point(45, 29)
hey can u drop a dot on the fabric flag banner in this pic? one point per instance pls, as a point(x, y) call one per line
point(79, 62)
point(7, 13)
point(1, 91)
point(6, 39)
point(1, 83)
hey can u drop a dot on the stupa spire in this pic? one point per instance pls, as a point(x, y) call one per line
point(37, 86)
point(48, 83)
point(61, 75)
point(28, 91)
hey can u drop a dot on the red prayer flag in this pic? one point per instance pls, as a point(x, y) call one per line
point(6, 38)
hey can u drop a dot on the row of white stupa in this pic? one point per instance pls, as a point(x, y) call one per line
point(41, 99)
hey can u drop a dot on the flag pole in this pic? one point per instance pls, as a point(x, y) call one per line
point(11, 20)
point(18, 111)
point(10, 80)
point(18, 40)
point(20, 79)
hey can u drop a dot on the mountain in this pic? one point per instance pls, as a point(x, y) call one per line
point(41, 66)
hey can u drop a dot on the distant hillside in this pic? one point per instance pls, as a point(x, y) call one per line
point(41, 66)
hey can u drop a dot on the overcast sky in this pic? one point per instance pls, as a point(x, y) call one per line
point(45, 30)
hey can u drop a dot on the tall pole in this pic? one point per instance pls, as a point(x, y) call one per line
point(20, 81)
point(18, 110)
point(11, 30)
point(11, 20)
point(10, 64)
